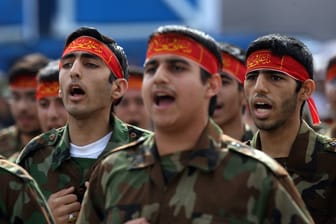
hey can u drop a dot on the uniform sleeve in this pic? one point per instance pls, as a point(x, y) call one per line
point(22, 201)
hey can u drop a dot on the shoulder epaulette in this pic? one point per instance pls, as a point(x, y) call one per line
point(243, 149)
point(14, 170)
point(126, 146)
point(45, 139)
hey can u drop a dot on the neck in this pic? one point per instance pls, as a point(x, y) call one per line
point(179, 139)
point(278, 143)
point(85, 131)
point(234, 128)
point(26, 137)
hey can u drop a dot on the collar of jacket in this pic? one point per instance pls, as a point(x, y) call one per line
point(62, 150)
point(203, 156)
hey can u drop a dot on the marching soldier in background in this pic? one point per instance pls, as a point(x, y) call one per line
point(279, 80)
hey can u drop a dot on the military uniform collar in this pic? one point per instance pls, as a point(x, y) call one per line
point(302, 150)
point(61, 152)
point(204, 155)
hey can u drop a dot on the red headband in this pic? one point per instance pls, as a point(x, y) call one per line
point(134, 82)
point(233, 67)
point(331, 73)
point(45, 89)
point(184, 46)
point(264, 59)
point(92, 45)
point(24, 81)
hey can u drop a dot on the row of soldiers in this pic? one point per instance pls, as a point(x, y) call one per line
point(201, 163)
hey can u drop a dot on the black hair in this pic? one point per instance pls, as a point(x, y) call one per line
point(331, 62)
point(280, 44)
point(206, 40)
point(27, 65)
point(109, 42)
point(49, 73)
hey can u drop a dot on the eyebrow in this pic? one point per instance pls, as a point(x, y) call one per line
point(82, 55)
point(226, 76)
point(169, 61)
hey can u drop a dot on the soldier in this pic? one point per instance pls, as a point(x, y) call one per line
point(188, 171)
point(230, 105)
point(279, 80)
point(330, 92)
point(131, 108)
point(21, 200)
point(22, 90)
point(50, 108)
point(93, 76)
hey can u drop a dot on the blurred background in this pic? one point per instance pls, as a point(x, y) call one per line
point(28, 26)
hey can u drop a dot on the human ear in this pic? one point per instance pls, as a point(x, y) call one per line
point(307, 89)
point(119, 87)
point(214, 84)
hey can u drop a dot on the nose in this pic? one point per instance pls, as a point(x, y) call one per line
point(160, 75)
point(75, 71)
point(260, 83)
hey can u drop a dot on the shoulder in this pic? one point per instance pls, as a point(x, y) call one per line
point(13, 172)
point(246, 152)
point(42, 141)
point(8, 133)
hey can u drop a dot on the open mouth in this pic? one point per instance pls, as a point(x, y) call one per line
point(162, 99)
point(262, 106)
point(76, 90)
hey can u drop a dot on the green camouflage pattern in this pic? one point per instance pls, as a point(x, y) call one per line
point(311, 164)
point(10, 142)
point(47, 158)
point(220, 180)
point(21, 201)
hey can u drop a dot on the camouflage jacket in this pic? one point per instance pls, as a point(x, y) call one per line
point(220, 180)
point(311, 164)
point(10, 142)
point(47, 158)
point(21, 201)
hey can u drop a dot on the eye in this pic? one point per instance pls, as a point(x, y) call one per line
point(251, 76)
point(176, 67)
point(276, 77)
point(43, 103)
point(149, 69)
point(66, 65)
point(90, 64)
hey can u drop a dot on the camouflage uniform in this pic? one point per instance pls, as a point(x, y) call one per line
point(21, 201)
point(220, 180)
point(10, 142)
point(47, 158)
point(311, 164)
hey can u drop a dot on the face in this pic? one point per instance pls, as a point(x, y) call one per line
point(131, 109)
point(173, 92)
point(51, 113)
point(330, 89)
point(23, 108)
point(84, 85)
point(229, 100)
point(272, 99)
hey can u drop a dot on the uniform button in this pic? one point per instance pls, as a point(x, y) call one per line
point(52, 137)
